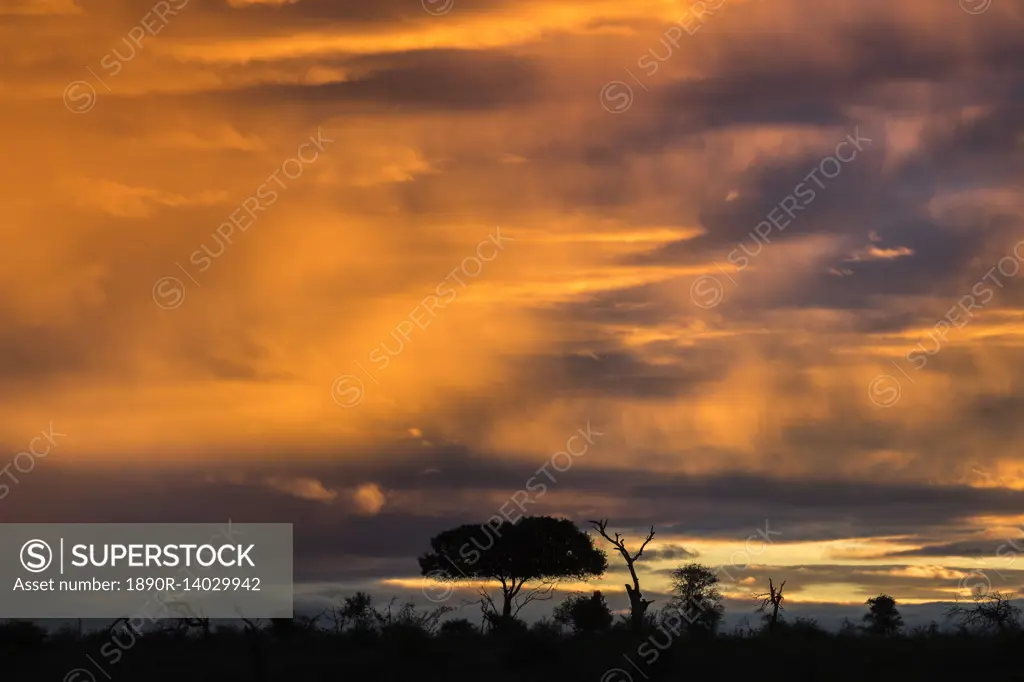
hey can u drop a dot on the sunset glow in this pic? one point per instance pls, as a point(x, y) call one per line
point(366, 267)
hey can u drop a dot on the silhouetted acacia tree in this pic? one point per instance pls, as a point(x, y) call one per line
point(697, 598)
point(535, 549)
point(583, 613)
point(637, 604)
point(882, 618)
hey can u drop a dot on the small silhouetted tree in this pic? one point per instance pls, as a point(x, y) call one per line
point(882, 618)
point(583, 613)
point(773, 599)
point(547, 628)
point(697, 598)
point(535, 549)
point(807, 627)
point(991, 612)
point(358, 613)
point(637, 604)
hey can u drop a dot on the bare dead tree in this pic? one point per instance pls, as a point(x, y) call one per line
point(773, 597)
point(637, 604)
point(992, 612)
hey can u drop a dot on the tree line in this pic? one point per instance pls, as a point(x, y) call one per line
point(528, 558)
point(581, 638)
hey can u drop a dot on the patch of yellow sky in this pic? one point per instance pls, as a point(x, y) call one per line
point(737, 560)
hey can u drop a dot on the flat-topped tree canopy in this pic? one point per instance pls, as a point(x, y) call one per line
point(534, 549)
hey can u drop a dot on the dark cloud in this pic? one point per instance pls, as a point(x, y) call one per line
point(669, 553)
point(618, 374)
point(410, 82)
point(730, 507)
point(999, 552)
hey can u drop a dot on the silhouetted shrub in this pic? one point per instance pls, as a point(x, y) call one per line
point(801, 627)
point(21, 635)
point(359, 613)
point(624, 623)
point(546, 627)
point(457, 627)
point(931, 630)
point(849, 629)
point(503, 626)
point(283, 628)
point(583, 613)
point(67, 633)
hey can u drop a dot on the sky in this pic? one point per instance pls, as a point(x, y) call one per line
point(369, 267)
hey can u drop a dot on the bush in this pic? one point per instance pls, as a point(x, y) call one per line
point(18, 636)
point(546, 627)
point(584, 614)
point(458, 627)
point(505, 625)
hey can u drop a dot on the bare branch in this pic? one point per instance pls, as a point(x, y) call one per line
point(619, 541)
point(485, 601)
point(647, 540)
point(994, 612)
point(543, 593)
point(602, 528)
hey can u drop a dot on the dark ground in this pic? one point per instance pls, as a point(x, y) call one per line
point(402, 654)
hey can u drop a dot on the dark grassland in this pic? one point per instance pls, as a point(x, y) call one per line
point(404, 653)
